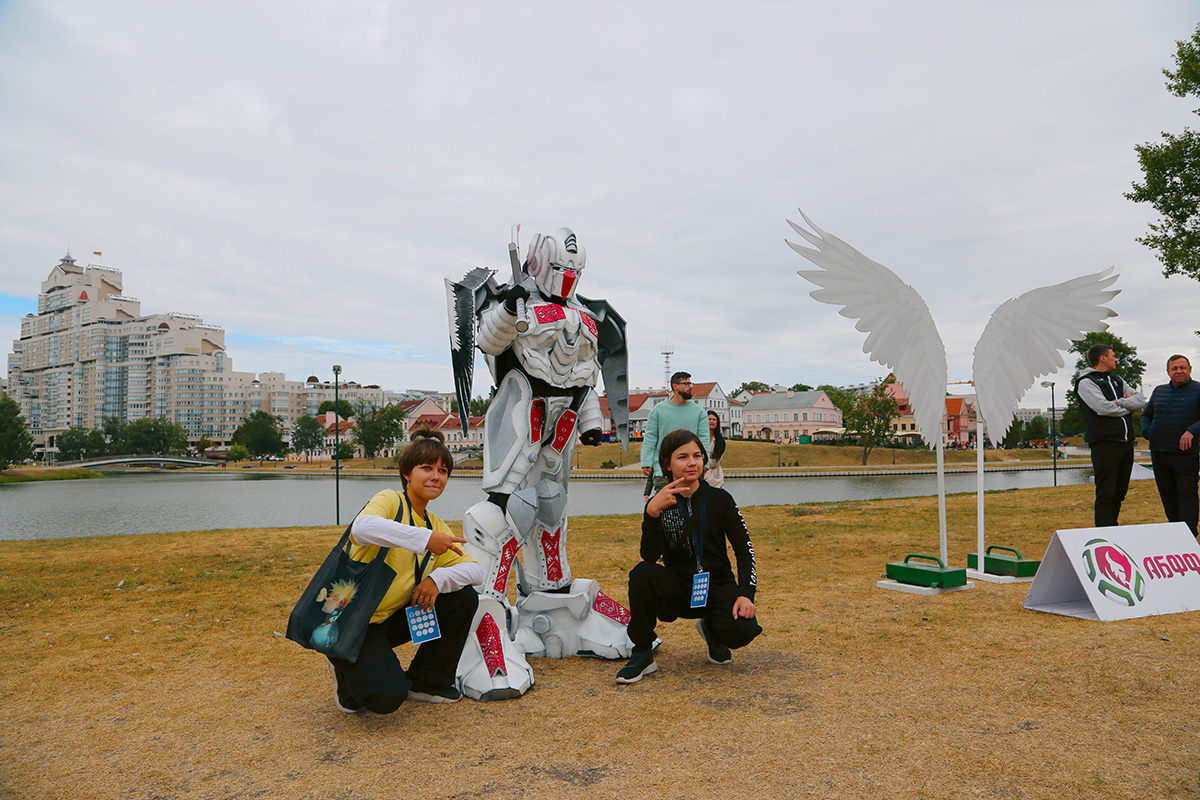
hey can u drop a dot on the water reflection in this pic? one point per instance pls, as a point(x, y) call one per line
point(148, 503)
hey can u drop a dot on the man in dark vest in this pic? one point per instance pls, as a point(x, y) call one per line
point(1107, 404)
point(1171, 422)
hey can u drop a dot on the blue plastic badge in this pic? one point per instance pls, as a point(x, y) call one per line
point(423, 625)
point(700, 590)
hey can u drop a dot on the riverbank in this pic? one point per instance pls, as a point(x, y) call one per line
point(151, 666)
point(29, 474)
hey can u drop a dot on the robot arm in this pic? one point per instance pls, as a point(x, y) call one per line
point(591, 421)
point(497, 329)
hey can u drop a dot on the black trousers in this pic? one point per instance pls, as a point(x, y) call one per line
point(378, 683)
point(1176, 473)
point(1112, 462)
point(657, 592)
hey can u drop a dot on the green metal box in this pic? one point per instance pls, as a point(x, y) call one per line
point(936, 575)
point(1013, 566)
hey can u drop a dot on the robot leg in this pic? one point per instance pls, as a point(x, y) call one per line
point(559, 616)
point(492, 665)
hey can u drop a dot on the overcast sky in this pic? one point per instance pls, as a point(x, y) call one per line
point(305, 174)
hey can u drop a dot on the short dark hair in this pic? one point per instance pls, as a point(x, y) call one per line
point(428, 447)
point(1095, 352)
point(672, 442)
point(679, 377)
point(1176, 357)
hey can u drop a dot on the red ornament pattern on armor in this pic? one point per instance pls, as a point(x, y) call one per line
point(506, 560)
point(550, 549)
point(490, 644)
point(591, 324)
point(611, 608)
point(550, 312)
point(537, 418)
point(564, 429)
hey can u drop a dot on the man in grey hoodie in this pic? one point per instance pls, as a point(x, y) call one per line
point(1107, 404)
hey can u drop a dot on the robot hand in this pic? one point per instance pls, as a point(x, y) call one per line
point(590, 438)
point(515, 292)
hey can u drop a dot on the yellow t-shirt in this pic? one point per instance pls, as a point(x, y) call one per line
point(387, 504)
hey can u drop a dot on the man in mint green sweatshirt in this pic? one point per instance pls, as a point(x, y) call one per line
point(678, 412)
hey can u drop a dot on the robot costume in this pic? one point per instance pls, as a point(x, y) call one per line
point(545, 355)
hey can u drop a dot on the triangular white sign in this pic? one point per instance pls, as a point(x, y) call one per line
point(1119, 573)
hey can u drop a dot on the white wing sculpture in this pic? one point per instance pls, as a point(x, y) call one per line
point(901, 334)
point(1024, 339)
point(1021, 341)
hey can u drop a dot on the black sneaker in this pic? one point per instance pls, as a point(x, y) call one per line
point(717, 653)
point(339, 700)
point(640, 663)
point(428, 694)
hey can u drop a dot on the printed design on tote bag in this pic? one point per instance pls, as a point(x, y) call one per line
point(333, 602)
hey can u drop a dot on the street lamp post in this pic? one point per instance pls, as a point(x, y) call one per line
point(1053, 435)
point(337, 464)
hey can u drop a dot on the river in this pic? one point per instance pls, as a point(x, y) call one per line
point(123, 503)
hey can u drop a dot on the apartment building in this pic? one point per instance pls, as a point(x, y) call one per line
point(90, 354)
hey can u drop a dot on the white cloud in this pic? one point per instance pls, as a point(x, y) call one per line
point(305, 174)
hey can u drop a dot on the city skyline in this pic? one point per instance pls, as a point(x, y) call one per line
point(310, 199)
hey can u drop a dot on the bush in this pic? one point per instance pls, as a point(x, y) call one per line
point(610, 464)
point(236, 453)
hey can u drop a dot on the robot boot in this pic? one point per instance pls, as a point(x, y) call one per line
point(492, 666)
point(580, 622)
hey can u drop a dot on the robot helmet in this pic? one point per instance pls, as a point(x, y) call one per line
point(556, 262)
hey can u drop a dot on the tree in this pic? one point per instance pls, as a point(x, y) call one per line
point(150, 435)
point(479, 406)
point(203, 445)
point(307, 436)
point(751, 386)
point(1129, 368)
point(16, 444)
point(376, 429)
point(262, 435)
point(237, 453)
point(343, 408)
point(344, 451)
point(841, 398)
point(72, 443)
point(1037, 428)
point(96, 444)
point(801, 387)
point(870, 418)
point(1013, 437)
point(1171, 169)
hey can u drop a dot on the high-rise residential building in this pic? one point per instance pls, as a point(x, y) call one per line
point(90, 354)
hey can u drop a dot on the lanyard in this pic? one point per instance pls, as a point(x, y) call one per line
point(698, 536)
point(420, 568)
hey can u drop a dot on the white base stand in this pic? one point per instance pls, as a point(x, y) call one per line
point(897, 586)
point(987, 576)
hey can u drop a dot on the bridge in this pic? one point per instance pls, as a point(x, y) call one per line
point(141, 459)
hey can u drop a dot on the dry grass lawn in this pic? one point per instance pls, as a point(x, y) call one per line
point(149, 668)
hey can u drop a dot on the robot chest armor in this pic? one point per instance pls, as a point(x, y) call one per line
point(560, 345)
